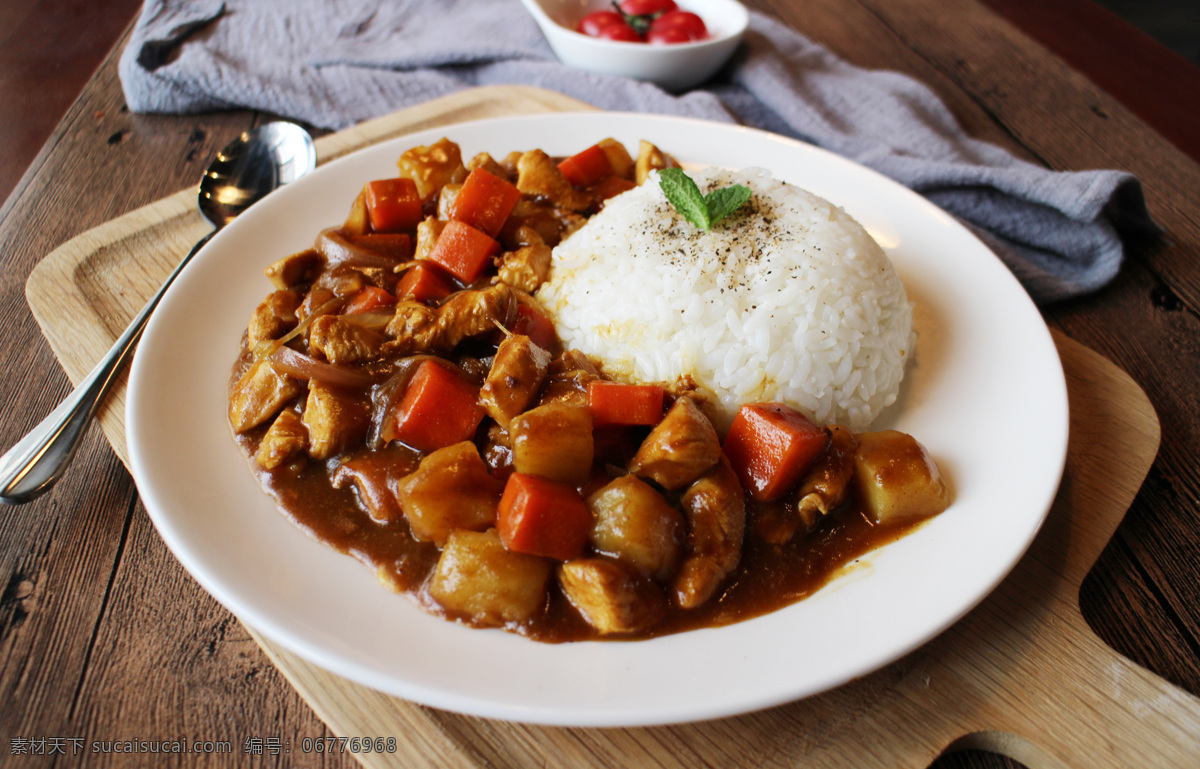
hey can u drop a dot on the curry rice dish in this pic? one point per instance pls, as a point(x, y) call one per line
point(531, 395)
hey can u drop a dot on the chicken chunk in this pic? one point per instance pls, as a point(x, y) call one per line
point(826, 485)
point(284, 440)
point(339, 340)
point(486, 584)
point(296, 270)
point(715, 507)
point(413, 328)
point(445, 201)
point(433, 166)
point(680, 448)
point(428, 231)
point(490, 164)
point(611, 597)
point(418, 328)
point(538, 218)
point(259, 394)
point(568, 377)
point(450, 490)
point(525, 268)
point(538, 175)
point(273, 318)
point(636, 525)
point(515, 378)
point(335, 419)
point(471, 313)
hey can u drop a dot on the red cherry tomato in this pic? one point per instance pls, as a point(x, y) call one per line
point(595, 22)
point(623, 33)
point(667, 28)
point(646, 7)
point(667, 36)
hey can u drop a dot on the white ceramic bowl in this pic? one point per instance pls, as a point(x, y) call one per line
point(675, 67)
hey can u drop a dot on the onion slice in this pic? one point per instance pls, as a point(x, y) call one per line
point(340, 252)
point(285, 360)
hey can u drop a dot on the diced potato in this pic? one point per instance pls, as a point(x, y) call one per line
point(636, 525)
point(553, 441)
point(477, 578)
point(618, 158)
point(897, 479)
point(259, 395)
point(449, 491)
point(651, 158)
point(358, 221)
point(284, 439)
point(336, 419)
point(611, 597)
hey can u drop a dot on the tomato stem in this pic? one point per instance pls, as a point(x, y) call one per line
point(638, 23)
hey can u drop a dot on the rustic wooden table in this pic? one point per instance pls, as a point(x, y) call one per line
point(103, 636)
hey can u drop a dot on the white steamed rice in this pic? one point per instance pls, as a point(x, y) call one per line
point(787, 300)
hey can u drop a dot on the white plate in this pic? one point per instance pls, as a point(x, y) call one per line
point(985, 393)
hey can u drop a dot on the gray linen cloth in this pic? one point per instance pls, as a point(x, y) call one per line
point(332, 63)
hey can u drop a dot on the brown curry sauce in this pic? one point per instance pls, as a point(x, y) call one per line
point(768, 578)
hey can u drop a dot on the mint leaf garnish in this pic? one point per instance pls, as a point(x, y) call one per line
point(724, 201)
point(685, 196)
point(701, 210)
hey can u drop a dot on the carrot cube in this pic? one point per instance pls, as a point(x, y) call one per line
point(613, 186)
point(393, 204)
point(368, 299)
point(535, 325)
point(770, 446)
point(587, 167)
point(542, 517)
point(463, 250)
point(614, 403)
point(485, 201)
point(425, 282)
point(439, 408)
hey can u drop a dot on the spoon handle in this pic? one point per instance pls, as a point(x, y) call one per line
point(37, 461)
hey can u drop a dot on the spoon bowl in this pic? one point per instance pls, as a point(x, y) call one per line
point(253, 165)
point(675, 67)
point(246, 170)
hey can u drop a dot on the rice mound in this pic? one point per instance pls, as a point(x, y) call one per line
point(789, 299)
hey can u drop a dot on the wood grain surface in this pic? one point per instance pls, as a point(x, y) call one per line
point(103, 636)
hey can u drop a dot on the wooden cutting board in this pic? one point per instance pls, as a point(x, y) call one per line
point(1021, 675)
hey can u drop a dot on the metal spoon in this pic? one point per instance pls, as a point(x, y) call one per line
point(248, 168)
